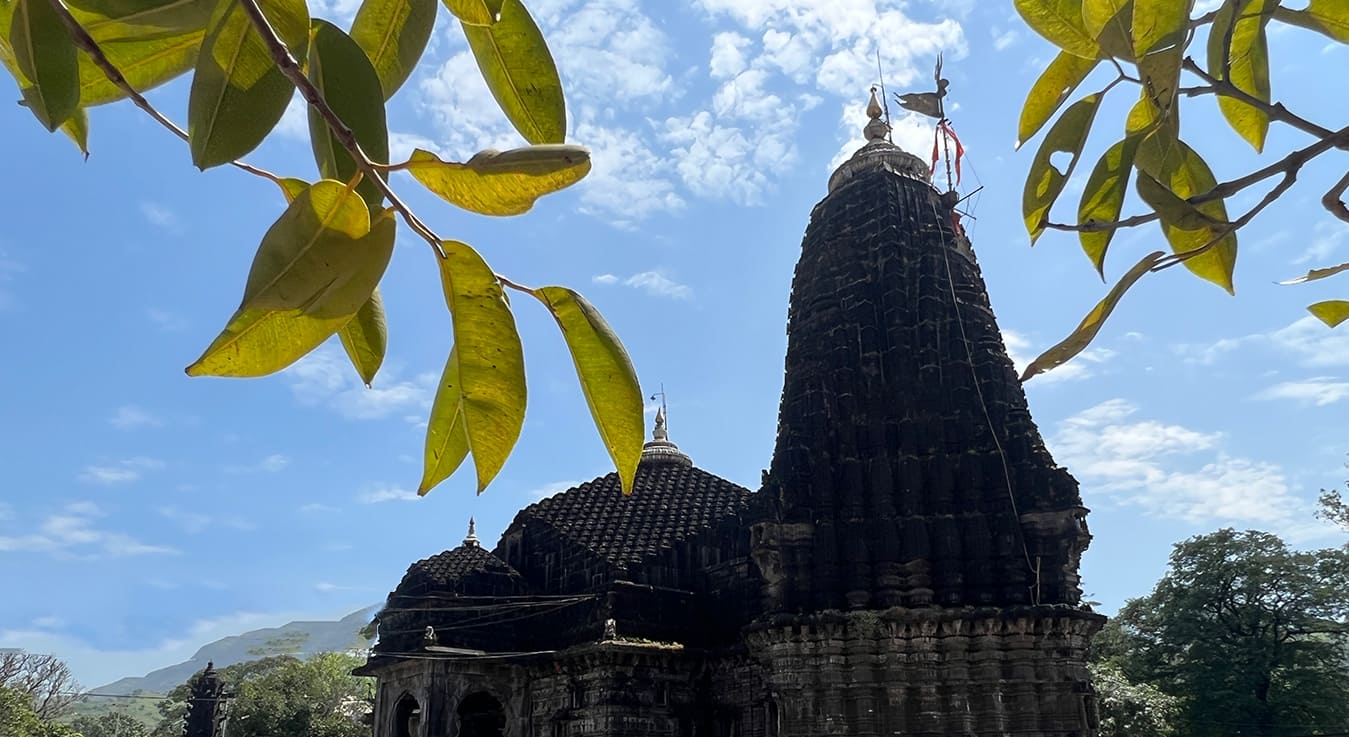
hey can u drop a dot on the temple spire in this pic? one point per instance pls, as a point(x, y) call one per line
point(660, 449)
point(876, 129)
point(472, 539)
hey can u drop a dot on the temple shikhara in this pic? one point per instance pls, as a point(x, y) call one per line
point(907, 567)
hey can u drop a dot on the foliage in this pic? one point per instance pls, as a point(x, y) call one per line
point(316, 271)
point(44, 679)
point(1149, 45)
point(18, 719)
point(1130, 709)
point(285, 697)
point(1252, 638)
point(110, 724)
point(1333, 506)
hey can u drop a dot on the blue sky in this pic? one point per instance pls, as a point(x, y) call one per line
point(144, 513)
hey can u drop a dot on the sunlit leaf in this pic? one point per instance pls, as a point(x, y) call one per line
point(1103, 197)
point(393, 34)
point(76, 129)
point(1044, 182)
point(501, 182)
point(1159, 24)
point(238, 93)
point(1316, 274)
point(110, 20)
point(1182, 171)
point(292, 187)
point(519, 71)
point(1110, 22)
point(365, 338)
point(44, 54)
point(1058, 80)
point(1160, 72)
point(1172, 209)
point(1330, 17)
point(1331, 312)
point(1060, 21)
point(317, 265)
point(1247, 62)
point(608, 379)
point(145, 64)
point(1086, 331)
point(475, 12)
point(345, 78)
point(480, 405)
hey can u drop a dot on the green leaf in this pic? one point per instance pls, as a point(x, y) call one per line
point(1086, 330)
point(608, 379)
point(317, 265)
point(519, 71)
point(1058, 80)
point(393, 34)
point(292, 187)
point(1110, 22)
point(77, 129)
point(1103, 198)
point(1172, 209)
point(501, 182)
point(480, 405)
point(146, 64)
point(365, 338)
point(1331, 312)
point(1182, 171)
point(1330, 17)
point(475, 12)
point(1316, 274)
point(1060, 22)
point(238, 92)
point(46, 57)
point(1160, 72)
point(1159, 24)
point(345, 78)
point(1044, 182)
point(1248, 61)
point(110, 20)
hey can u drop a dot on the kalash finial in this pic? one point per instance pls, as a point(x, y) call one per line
point(876, 129)
point(660, 433)
point(472, 539)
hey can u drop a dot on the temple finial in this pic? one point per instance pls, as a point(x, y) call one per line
point(472, 539)
point(660, 433)
point(876, 129)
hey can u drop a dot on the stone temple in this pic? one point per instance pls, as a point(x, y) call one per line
point(908, 567)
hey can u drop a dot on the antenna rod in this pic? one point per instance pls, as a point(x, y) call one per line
point(885, 99)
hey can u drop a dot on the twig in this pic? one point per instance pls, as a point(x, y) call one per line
point(1289, 177)
point(1276, 111)
point(88, 45)
point(1334, 199)
point(340, 130)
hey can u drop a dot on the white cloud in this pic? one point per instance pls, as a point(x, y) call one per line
point(325, 378)
point(604, 279)
point(1005, 40)
point(160, 216)
point(166, 321)
point(629, 180)
point(1308, 342)
point(728, 55)
point(1327, 238)
point(1319, 390)
point(130, 417)
point(654, 283)
point(1022, 352)
point(294, 123)
point(120, 472)
point(1176, 472)
point(381, 494)
point(553, 487)
point(72, 533)
point(317, 508)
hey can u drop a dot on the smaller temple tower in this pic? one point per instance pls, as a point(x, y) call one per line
point(204, 712)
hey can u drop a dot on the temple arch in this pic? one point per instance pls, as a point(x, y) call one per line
point(481, 715)
point(407, 716)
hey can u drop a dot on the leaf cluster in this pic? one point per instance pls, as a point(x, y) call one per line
point(317, 269)
point(1148, 44)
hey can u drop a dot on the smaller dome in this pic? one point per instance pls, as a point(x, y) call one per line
point(660, 449)
point(879, 153)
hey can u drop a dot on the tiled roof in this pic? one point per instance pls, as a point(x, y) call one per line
point(443, 570)
point(670, 502)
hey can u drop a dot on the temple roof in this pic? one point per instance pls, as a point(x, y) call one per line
point(446, 570)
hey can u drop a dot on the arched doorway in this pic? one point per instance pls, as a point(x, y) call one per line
point(407, 717)
point(481, 715)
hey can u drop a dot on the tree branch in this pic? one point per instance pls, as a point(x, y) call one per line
point(1334, 199)
point(88, 45)
point(341, 131)
point(1276, 111)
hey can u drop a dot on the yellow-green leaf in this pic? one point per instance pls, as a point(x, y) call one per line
point(366, 337)
point(292, 187)
point(1181, 170)
point(1060, 21)
point(1044, 182)
point(1248, 62)
point(109, 20)
point(475, 12)
point(501, 182)
point(46, 57)
point(1058, 80)
point(1331, 312)
point(77, 129)
point(518, 69)
point(1110, 22)
point(1330, 17)
point(238, 93)
point(1103, 198)
point(1172, 209)
point(317, 265)
point(608, 379)
point(1159, 24)
point(393, 34)
point(146, 64)
point(480, 405)
point(1086, 330)
point(343, 75)
point(1316, 274)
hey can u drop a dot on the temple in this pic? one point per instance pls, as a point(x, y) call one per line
point(909, 566)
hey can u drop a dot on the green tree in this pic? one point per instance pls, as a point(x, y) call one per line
point(111, 724)
point(1250, 636)
point(1334, 507)
point(1150, 46)
point(45, 679)
point(1129, 709)
point(19, 719)
point(317, 270)
point(285, 697)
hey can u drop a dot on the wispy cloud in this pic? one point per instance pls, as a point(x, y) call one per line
point(1307, 342)
point(1083, 366)
point(273, 463)
point(120, 472)
point(553, 487)
point(160, 216)
point(131, 417)
point(73, 532)
point(325, 378)
point(382, 494)
point(167, 321)
point(317, 508)
point(654, 283)
point(1318, 390)
point(194, 522)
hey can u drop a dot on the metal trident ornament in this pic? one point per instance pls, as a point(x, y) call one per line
point(927, 103)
